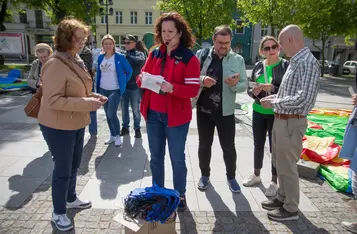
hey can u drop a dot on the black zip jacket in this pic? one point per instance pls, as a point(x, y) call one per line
point(258, 70)
point(137, 61)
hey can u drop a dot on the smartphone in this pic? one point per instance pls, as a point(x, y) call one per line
point(350, 89)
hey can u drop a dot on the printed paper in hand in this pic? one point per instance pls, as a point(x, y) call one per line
point(149, 82)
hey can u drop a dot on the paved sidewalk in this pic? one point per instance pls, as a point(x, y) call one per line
point(107, 174)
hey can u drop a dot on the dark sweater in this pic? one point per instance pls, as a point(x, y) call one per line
point(136, 60)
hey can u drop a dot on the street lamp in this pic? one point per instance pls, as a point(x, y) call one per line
point(107, 11)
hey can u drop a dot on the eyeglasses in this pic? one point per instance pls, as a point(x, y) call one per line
point(127, 42)
point(268, 48)
point(83, 39)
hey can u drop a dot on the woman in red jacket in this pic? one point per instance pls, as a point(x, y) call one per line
point(168, 114)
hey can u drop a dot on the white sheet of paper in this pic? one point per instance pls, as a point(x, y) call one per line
point(149, 82)
point(350, 89)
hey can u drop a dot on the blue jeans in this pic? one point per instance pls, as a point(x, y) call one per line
point(132, 95)
point(111, 108)
point(66, 148)
point(93, 128)
point(158, 132)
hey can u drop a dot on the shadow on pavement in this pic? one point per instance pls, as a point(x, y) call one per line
point(88, 150)
point(121, 165)
point(187, 222)
point(30, 182)
point(227, 221)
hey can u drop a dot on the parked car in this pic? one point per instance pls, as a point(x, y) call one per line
point(326, 65)
point(349, 67)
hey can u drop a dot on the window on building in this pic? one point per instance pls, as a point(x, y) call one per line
point(133, 17)
point(264, 31)
point(39, 18)
point(103, 19)
point(23, 16)
point(239, 27)
point(116, 39)
point(148, 17)
point(118, 17)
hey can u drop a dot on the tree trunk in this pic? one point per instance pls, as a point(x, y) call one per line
point(272, 31)
point(2, 15)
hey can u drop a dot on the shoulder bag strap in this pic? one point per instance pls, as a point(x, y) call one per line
point(74, 70)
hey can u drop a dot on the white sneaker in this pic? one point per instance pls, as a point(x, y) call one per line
point(271, 190)
point(110, 140)
point(78, 204)
point(117, 141)
point(62, 222)
point(252, 180)
point(352, 227)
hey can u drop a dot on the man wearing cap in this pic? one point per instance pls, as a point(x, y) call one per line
point(132, 93)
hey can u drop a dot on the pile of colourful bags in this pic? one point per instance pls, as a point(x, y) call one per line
point(151, 203)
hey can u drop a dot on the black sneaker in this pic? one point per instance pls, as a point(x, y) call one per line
point(282, 215)
point(137, 133)
point(272, 204)
point(182, 205)
point(124, 131)
point(203, 183)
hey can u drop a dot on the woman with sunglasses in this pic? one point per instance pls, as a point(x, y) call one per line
point(265, 80)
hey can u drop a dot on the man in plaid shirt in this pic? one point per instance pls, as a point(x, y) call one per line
point(295, 99)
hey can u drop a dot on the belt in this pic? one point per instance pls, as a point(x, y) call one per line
point(285, 116)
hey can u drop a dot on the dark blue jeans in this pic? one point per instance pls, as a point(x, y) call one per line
point(111, 109)
point(66, 148)
point(93, 128)
point(133, 96)
point(158, 132)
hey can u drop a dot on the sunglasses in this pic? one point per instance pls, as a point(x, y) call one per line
point(127, 42)
point(268, 48)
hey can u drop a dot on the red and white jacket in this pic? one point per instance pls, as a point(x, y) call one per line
point(183, 73)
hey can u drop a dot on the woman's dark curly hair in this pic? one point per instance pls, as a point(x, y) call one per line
point(187, 38)
point(63, 39)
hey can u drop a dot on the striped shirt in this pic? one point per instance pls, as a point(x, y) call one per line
point(299, 88)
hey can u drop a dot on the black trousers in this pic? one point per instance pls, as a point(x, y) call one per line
point(261, 125)
point(206, 124)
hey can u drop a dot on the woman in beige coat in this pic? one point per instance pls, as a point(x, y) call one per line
point(64, 114)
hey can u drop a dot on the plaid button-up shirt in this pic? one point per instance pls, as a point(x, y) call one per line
point(300, 84)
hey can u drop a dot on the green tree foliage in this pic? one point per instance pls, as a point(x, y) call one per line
point(202, 15)
point(56, 9)
point(322, 19)
point(274, 13)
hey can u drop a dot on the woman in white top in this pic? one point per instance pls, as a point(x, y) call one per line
point(113, 72)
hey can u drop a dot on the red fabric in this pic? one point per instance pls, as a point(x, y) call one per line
point(157, 102)
point(182, 70)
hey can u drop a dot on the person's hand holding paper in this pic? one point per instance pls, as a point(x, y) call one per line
point(151, 82)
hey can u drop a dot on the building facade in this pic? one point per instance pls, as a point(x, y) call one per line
point(35, 26)
point(135, 17)
point(241, 41)
point(335, 48)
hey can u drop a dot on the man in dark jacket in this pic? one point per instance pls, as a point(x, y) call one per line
point(132, 93)
point(87, 57)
